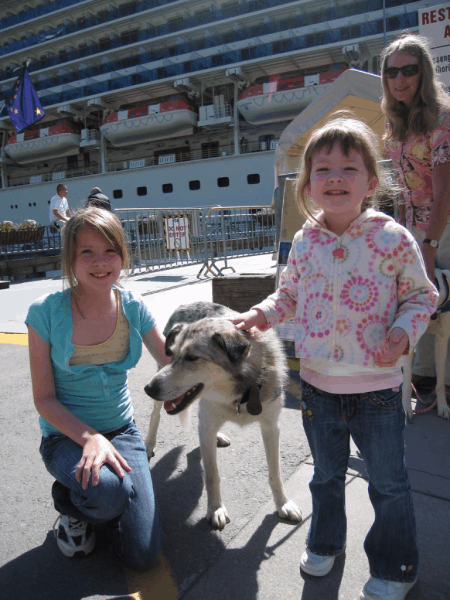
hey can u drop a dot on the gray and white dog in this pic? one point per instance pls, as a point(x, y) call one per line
point(237, 377)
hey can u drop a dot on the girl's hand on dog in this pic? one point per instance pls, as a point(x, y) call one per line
point(397, 346)
point(249, 319)
point(98, 451)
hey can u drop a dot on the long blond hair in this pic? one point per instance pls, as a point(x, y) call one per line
point(421, 116)
point(104, 223)
point(351, 134)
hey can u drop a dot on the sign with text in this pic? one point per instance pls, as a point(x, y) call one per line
point(434, 24)
point(177, 233)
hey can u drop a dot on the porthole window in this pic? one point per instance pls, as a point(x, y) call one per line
point(194, 185)
point(167, 188)
point(253, 178)
point(223, 182)
point(142, 191)
point(117, 194)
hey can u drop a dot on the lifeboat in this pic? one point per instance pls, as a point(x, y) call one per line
point(172, 118)
point(283, 99)
point(40, 144)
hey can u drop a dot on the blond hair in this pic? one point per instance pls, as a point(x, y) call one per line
point(420, 117)
point(102, 222)
point(351, 134)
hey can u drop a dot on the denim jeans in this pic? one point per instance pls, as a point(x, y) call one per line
point(376, 422)
point(127, 505)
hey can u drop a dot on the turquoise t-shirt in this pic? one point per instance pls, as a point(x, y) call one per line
point(96, 394)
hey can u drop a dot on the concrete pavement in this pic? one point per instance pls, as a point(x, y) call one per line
point(257, 555)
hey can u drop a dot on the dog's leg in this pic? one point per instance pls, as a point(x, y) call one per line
point(150, 441)
point(287, 509)
point(208, 426)
point(440, 358)
point(407, 386)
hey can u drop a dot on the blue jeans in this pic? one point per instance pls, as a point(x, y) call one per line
point(376, 422)
point(128, 505)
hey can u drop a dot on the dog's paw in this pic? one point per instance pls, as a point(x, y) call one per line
point(290, 511)
point(218, 518)
point(150, 452)
point(222, 440)
point(443, 411)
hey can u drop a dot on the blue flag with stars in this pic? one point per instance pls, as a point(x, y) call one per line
point(22, 103)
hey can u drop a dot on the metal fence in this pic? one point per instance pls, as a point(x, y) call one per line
point(162, 238)
point(31, 242)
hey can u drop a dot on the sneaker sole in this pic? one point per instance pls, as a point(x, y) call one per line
point(73, 551)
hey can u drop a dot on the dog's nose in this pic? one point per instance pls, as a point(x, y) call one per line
point(152, 390)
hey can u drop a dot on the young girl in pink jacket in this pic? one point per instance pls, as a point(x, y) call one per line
point(356, 286)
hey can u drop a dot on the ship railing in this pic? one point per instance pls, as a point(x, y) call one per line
point(170, 237)
point(171, 158)
point(55, 175)
point(262, 146)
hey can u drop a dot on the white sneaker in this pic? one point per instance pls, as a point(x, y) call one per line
point(316, 565)
point(74, 538)
point(382, 589)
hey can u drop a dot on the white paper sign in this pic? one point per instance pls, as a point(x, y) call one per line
point(434, 24)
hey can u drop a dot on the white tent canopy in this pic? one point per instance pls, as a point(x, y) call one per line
point(354, 90)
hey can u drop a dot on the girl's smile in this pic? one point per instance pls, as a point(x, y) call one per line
point(97, 262)
point(338, 185)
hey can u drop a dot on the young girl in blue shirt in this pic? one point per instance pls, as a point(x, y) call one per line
point(82, 341)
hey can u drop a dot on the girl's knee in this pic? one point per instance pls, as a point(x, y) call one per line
point(109, 498)
point(144, 557)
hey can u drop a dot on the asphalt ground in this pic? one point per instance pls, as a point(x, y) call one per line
point(257, 555)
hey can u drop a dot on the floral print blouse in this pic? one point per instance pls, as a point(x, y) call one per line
point(346, 293)
point(414, 159)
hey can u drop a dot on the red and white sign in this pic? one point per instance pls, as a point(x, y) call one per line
point(177, 233)
point(434, 23)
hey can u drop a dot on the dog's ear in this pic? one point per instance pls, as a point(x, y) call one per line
point(171, 337)
point(234, 344)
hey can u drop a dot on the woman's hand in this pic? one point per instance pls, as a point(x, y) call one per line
point(249, 319)
point(397, 346)
point(98, 451)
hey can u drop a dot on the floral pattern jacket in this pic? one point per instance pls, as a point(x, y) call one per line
point(414, 159)
point(346, 293)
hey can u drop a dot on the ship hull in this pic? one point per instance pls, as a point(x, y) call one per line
point(15, 202)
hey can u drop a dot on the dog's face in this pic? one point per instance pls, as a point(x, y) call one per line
point(206, 360)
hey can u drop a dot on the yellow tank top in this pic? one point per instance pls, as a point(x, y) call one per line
point(116, 348)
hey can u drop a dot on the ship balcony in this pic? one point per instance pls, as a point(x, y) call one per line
point(214, 114)
point(90, 138)
point(358, 10)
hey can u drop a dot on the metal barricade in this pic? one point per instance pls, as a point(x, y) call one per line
point(22, 243)
point(161, 238)
point(237, 231)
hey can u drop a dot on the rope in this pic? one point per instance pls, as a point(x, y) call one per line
point(419, 399)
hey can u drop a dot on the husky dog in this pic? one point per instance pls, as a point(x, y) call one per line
point(237, 377)
point(440, 328)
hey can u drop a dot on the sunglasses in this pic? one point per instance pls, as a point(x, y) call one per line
point(406, 71)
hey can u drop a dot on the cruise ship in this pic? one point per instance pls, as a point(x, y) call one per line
point(172, 103)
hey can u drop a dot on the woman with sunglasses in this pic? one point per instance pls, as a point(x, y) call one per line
point(417, 110)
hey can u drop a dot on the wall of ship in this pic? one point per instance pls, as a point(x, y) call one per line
point(221, 181)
